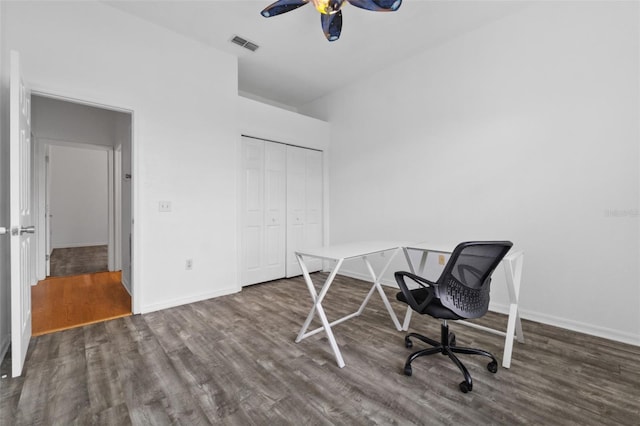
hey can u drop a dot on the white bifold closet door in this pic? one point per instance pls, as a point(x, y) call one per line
point(264, 204)
point(304, 206)
point(281, 190)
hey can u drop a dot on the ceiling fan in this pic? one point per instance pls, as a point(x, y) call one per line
point(331, 13)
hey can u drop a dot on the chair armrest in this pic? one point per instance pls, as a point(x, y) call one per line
point(422, 282)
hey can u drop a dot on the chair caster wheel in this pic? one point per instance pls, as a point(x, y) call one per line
point(408, 343)
point(492, 367)
point(465, 387)
point(407, 370)
point(452, 339)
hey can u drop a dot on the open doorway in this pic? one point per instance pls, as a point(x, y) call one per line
point(79, 194)
point(83, 170)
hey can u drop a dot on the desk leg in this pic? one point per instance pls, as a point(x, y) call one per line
point(513, 274)
point(377, 286)
point(330, 336)
point(317, 307)
point(407, 319)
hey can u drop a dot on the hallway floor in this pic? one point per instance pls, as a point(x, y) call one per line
point(61, 303)
point(78, 260)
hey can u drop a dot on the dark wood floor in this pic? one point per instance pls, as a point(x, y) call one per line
point(78, 260)
point(233, 360)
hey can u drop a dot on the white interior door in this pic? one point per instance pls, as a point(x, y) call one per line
point(313, 201)
point(281, 208)
point(252, 210)
point(22, 262)
point(304, 206)
point(296, 182)
point(275, 166)
point(264, 210)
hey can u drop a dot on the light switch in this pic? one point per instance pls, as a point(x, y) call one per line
point(164, 206)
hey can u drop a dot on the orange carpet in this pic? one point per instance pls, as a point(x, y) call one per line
point(60, 303)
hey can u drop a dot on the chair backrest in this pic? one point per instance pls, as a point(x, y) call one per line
point(465, 282)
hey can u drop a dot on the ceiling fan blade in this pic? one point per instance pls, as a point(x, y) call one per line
point(282, 6)
point(332, 25)
point(377, 5)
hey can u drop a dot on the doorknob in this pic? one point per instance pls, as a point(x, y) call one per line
point(3, 230)
point(27, 230)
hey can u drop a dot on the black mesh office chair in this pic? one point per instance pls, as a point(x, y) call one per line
point(461, 292)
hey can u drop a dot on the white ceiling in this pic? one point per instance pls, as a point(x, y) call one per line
point(295, 64)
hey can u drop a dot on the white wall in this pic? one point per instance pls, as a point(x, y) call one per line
point(79, 197)
point(526, 129)
point(185, 132)
point(5, 295)
point(72, 122)
point(268, 122)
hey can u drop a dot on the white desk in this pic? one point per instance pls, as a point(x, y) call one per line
point(513, 273)
point(338, 254)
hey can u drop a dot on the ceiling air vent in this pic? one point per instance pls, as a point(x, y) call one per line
point(244, 43)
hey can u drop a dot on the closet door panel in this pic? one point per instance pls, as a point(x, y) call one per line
point(281, 209)
point(304, 205)
point(275, 211)
point(253, 211)
point(313, 204)
point(295, 206)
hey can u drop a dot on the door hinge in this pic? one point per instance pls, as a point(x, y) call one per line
point(47, 257)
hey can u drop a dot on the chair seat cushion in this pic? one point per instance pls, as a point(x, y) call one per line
point(434, 308)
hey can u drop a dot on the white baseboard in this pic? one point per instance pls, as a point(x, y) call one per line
point(72, 245)
point(580, 327)
point(190, 299)
point(569, 324)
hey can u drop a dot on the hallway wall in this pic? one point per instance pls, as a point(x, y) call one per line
point(79, 197)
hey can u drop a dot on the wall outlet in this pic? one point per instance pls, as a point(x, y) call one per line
point(188, 265)
point(164, 206)
point(441, 259)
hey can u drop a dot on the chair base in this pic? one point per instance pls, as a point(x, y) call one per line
point(447, 346)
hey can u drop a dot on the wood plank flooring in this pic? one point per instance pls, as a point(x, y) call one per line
point(78, 260)
point(60, 303)
point(233, 361)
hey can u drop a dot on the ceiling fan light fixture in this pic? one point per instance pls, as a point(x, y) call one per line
point(327, 7)
point(331, 15)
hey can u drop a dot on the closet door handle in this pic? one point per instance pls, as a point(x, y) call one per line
point(27, 230)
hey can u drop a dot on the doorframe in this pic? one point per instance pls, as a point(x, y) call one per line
point(109, 104)
point(117, 206)
point(40, 190)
